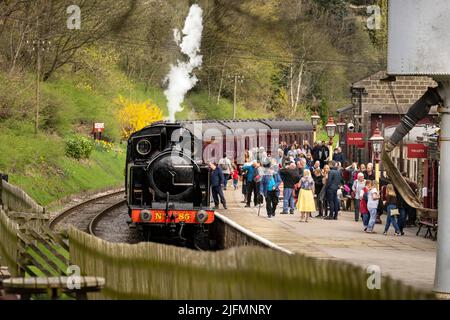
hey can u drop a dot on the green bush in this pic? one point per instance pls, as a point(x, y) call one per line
point(79, 147)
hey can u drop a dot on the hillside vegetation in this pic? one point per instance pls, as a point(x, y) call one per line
point(294, 56)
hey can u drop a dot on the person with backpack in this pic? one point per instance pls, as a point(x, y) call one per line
point(392, 211)
point(252, 183)
point(290, 177)
point(227, 169)
point(269, 188)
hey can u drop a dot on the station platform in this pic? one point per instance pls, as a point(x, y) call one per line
point(408, 258)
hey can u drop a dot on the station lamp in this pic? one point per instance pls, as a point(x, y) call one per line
point(331, 132)
point(315, 121)
point(341, 126)
point(331, 128)
point(377, 147)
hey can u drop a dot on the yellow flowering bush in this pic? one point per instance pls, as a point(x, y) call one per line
point(133, 116)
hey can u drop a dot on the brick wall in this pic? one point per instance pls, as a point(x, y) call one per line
point(406, 91)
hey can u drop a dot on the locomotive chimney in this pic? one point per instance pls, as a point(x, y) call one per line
point(419, 44)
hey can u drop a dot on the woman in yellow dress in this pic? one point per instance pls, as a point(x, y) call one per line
point(305, 203)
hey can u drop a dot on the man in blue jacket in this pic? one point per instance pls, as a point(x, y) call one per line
point(332, 186)
point(252, 182)
point(217, 181)
point(270, 184)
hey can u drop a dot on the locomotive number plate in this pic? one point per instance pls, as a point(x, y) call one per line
point(184, 216)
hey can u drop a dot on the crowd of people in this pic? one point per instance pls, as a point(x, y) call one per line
point(313, 182)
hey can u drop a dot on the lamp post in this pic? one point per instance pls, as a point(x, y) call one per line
point(341, 128)
point(331, 132)
point(377, 146)
point(315, 121)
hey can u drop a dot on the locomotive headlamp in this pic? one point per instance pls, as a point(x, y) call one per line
point(202, 216)
point(144, 147)
point(146, 216)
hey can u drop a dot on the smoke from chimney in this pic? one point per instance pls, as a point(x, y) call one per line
point(180, 76)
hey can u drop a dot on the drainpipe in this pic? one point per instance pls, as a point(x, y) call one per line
point(442, 274)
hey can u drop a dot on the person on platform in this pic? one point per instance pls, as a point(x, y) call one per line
point(332, 186)
point(363, 195)
point(290, 178)
point(358, 185)
point(324, 154)
point(235, 177)
point(391, 205)
point(309, 161)
point(353, 170)
point(244, 182)
point(316, 165)
point(338, 156)
point(411, 212)
point(217, 181)
point(252, 183)
point(316, 152)
point(305, 203)
point(318, 185)
point(361, 169)
point(300, 167)
point(227, 169)
point(270, 189)
point(369, 174)
point(372, 206)
point(323, 193)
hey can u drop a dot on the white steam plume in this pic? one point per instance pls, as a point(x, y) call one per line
point(180, 77)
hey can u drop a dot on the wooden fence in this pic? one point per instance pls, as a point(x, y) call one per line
point(28, 246)
point(15, 199)
point(156, 271)
point(9, 242)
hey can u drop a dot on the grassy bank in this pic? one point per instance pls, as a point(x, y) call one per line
point(70, 103)
point(39, 166)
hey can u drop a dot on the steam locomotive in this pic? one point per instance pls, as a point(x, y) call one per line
point(167, 191)
point(167, 180)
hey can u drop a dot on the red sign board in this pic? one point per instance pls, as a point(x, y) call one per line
point(417, 151)
point(99, 127)
point(356, 139)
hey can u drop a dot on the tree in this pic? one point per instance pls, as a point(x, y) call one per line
point(133, 116)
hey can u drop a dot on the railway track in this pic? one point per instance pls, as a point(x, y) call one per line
point(82, 214)
point(102, 214)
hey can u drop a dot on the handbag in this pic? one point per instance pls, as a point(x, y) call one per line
point(395, 212)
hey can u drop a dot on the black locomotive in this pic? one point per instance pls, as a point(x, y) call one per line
point(167, 181)
point(167, 191)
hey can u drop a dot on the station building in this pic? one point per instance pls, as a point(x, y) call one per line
point(381, 101)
